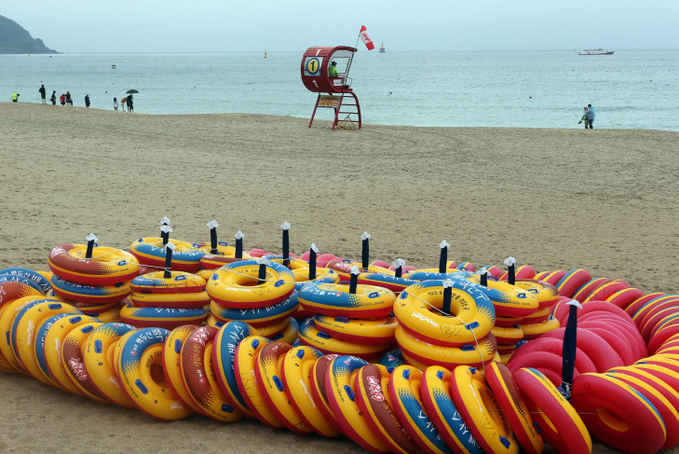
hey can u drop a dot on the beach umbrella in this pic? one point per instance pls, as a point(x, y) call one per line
point(129, 92)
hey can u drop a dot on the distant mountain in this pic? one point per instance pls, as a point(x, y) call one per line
point(14, 39)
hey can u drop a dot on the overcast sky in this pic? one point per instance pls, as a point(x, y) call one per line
point(277, 25)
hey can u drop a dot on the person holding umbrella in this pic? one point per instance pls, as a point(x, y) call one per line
point(130, 100)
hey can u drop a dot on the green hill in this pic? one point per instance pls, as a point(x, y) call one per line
point(14, 39)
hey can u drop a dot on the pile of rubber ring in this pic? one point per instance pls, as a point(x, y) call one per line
point(624, 397)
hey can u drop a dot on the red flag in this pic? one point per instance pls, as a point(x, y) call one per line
point(365, 38)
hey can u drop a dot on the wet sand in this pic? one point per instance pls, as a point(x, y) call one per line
point(603, 200)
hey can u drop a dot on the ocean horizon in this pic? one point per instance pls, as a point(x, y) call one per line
point(632, 89)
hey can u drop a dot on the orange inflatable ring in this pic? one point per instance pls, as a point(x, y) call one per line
point(617, 414)
point(107, 266)
point(150, 251)
point(558, 422)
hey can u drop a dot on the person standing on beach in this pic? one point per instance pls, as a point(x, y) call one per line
point(130, 106)
point(43, 94)
point(87, 100)
point(584, 117)
point(115, 104)
point(53, 98)
point(62, 99)
point(69, 100)
point(590, 115)
point(15, 97)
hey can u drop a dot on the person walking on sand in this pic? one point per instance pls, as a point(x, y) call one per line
point(43, 94)
point(87, 100)
point(590, 115)
point(115, 104)
point(69, 100)
point(584, 117)
point(53, 98)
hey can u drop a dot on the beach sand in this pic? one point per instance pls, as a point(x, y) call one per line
point(603, 200)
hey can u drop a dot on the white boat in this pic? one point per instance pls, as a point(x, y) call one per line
point(596, 52)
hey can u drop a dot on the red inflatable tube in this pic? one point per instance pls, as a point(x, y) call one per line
point(653, 319)
point(630, 329)
point(583, 292)
point(662, 375)
point(629, 341)
point(663, 399)
point(651, 306)
point(602, 355)
point(615, 340)
point(591, 307)
point(572, 281)
point(674, 320)
point(561, 309)
point(522, 272)
point(617, 414)
point(554, 277)
point(554, 346)
point(624, 298)
point(548, 363)
point(542, 275)
point(661, 336)
point(607, 290)
point(635, 305)
point(560, 425)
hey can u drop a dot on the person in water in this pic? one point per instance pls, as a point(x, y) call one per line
point(332, 70)
point(584, 117)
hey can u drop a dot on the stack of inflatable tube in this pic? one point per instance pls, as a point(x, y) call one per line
point(347, 323)
point(96, 286)
point(237, 294)
point(157, 301)
point(428, 337)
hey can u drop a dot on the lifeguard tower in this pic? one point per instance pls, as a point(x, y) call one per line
point(333, 92)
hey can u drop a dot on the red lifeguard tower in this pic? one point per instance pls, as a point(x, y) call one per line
point(334, 92)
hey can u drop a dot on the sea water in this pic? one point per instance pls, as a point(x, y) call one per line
point(537, 89)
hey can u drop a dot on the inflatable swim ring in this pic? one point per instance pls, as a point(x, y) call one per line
point(179, 282)
point(236, 285)
point(513, 406)
point(475, 400)
point(473, 313)
point(372, 395)
point(268, 371)
point(89, 294)
point(199, 375)
point(342, 401)
point(150, 251)
point(309, 335)
point(244, 363)
point(34, 276)
point(106, 267)
point(172, 365)
point(193, 300)
point(223, 356)
point(558, 422)
point(98, 360)
point(139, 367)
point(9, 312)
point(617, 414)
point(159, 317)
point(376, 331)
point(259, 316)
point(438, 403)
point(73, 361)
point(335, 300)
point(406, 400)
point(296, 375)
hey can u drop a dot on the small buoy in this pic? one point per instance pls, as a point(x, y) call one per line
point(530, 97)
point(113, 66)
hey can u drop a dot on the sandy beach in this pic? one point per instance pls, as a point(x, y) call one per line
point(603, 200)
